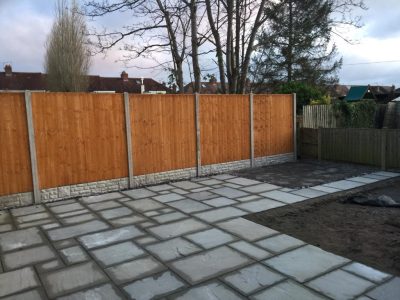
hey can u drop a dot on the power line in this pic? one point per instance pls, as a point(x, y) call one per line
point(373, 62)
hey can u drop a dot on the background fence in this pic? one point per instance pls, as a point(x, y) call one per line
point(77, 138)
point(316, 116)
point(378, 147)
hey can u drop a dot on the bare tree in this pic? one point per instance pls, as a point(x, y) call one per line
point(67, 59)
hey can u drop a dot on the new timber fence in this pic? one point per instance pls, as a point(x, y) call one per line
point(60, 145)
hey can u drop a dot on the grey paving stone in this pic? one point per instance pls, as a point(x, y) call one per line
point(325, 189)
point(229, 192)
point(222, 176)
point(74, 213)
point(259, 188)
point(6, 227)
point(135, 269)
point(363, 179)
point(209, 264)
point(248, 198)
point(18, 280)
point(20, 239)
point(259, 205)
point(340, 285)
point(344, 184)
point(78, 219)
point(60, 202)
point(243, 181)
point(70, 279)
point(76, 230)
point(117, 253)
point(374, 176)
point(189, 206)
point(146, 240)
point(101, 198)
point(167, 210)
point(172, 249)
point(103, 292)
point(74, 254)
point(139, 193)
point(387, 291)
point(212, 291)
point(309, 193)
point(5, 217)
point(280, 243)
point(253, 278)
point(151, 213)
point(50, 226)
point(30, 295)
point(65, 243)
point(287, 290)
point(212, 182)
point(246, 229)
point(366, 272)
point(110, 236)
point(202, 189)
point(50, 265)
point(170, 217)
point(177, 228)
point(219, 202)
point(219, 214)
point(32, 217)
point(186, 185)
point(179, 191)
point(66, 208)
point(156, 286)
point(143, 205)
point(16, 212)
point(200, 196)
point(160, 187)
point(115, 212)
point(133, 219)
point(232, 185)
point(34, 223)
point(104, 205)
point(283, 196)
point(210, 238)
point(22, 258)
point(250, 250)
point(305, 262)
point(386, 174)
point(146, 224)
point(168, 197)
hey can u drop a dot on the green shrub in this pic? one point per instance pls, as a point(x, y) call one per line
point(356, 115)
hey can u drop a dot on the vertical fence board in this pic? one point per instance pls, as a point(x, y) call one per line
point(15, 169)
point(393, 148)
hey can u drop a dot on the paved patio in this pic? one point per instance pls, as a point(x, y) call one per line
point(183, 240)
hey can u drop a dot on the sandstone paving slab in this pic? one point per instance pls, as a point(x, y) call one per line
point(135, 269)
point(209, 264)
point(374, 176)
point(340, 285)
point(139, 193)
point(243, 181)
point(252, 278)
point(22, 258)
point(172, 249)
point(59, 209)
point(102, 292)
point(306, 262)
point(363, 179)
point(222, 176)
point(287, 290)
point(219, 214)
point(78, 219)
point(16, 212)
point(212, 182)
point(387, 291)
point(74, 254)
point(5, 217)
point(6, 227)
point(117, 253)
point(260, 188)
point(110, 236)
point(115, 212)
point(309, 193)
point(168, 197)
point(144, 240)
point(246, 229)
point(101, 198)
point(229, 192)
point(259, 205)
point(180, 191)
point(202, 189)
point(30, 295)
point(104, 205)
point(132, 219)
point(20, 239)
point(156, 286)
point(76, 230)
point(49, 265)
point(324, 189)
point(70, 279)
point(210, 238)
point(17, 280)
point(200, 196)
point(283, 196)
point(210, 291)
point(74, 213)
point(248, 198)
point(186, 185)
point(34, 223)
point(151, 213)
point(65, 243)
point(386, 174)
point(32, 217)
point(344, 184)
point(250, 250)
point(189, 206)
point(160, 187)
point(232, 185)
point(220, 201)
point(143, 205)
point(177, 228)
point(50, 226)
point(366, 272)
point(169, 217)
point(280, 243)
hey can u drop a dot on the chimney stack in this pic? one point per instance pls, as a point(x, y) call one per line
point(8, 69)
point(124, 76)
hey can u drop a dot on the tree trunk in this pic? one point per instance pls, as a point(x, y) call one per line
point(195, 52)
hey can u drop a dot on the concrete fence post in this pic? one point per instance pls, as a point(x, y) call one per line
point(251, 108)
point(198, 136)
point(128, 138)
point(294, 126)
point(383, 148)
point(32, 148)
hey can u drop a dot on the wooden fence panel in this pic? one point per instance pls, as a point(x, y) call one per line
point(273, 124)
point(15, 168)
point(80, 137)
point(163, 132)
point(315, 116)
point(393, 148)
point(225, 128)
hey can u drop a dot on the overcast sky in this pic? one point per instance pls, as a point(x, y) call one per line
point(25, 25)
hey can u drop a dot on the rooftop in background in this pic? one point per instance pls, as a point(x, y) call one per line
point(382, 94)
point(17, 81)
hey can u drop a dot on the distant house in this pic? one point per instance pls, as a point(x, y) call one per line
point(381, 94)
point(208, 87)
point(338, 91)
point(20, 81)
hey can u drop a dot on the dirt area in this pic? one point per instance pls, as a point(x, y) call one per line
point(366, 234)
point(305, 173)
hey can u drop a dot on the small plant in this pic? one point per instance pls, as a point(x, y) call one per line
point(324, 100)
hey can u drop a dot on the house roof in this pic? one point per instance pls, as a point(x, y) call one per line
point(357, 93)
point(211, 87)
